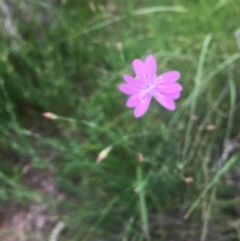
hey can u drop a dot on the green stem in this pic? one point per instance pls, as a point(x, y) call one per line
point(142, 202)
point(141, 188)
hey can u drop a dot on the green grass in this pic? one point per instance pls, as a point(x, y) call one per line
point(68, 58)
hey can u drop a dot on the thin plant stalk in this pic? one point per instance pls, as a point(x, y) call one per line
point(141, 191)
point(208, 215)
point(142, 201)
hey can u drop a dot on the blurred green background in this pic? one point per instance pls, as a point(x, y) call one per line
point(68, 57)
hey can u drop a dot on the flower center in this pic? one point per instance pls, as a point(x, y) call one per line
point(150, 87)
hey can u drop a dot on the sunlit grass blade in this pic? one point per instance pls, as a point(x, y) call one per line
point(196, 91)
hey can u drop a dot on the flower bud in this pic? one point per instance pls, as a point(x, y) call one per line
point(189, 181)
point(119, 45)
point(49, 115)
point(211, 127)
point(139, 157)
point(103, 154)
point(194, 117)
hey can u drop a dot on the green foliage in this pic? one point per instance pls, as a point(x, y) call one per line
point(68, 57)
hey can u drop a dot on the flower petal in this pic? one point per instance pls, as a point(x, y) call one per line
point(142, 107)
point(165, 101)
point(139, 68)
point(151, 67)
point(169, 77)
point(133, 101)
point(173, 96)
point(128, 89)
point(168, 88)
point(132, 81)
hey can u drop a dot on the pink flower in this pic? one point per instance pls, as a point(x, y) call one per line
point(147, 84)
